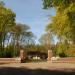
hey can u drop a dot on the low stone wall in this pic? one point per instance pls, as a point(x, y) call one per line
point(64, 60)
point(10, 60)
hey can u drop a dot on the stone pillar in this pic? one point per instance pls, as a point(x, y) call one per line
point(22, 55)
point(50, 54)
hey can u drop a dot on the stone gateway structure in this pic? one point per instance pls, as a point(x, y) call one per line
point(50, 54)
point(22, 55)
point(15, 59)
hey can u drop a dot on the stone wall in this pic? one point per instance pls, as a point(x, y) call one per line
point(65, 60)
point(14, 60)
point(10, 60)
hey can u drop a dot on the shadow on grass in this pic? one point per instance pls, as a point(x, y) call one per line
point(25, 71)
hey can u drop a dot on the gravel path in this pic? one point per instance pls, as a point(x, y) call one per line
point(42, 65)
point(44, 68)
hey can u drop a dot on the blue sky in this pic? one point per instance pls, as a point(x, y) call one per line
point(31, 12)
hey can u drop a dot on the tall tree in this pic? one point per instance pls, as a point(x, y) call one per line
point(7, 21)
point(46, 40)
point(58, 4)
point(20, 35)
point(63, 24)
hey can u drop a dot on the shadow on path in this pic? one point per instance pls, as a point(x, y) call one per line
point(25, 71)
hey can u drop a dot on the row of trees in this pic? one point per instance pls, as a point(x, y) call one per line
point(13, 36)
point(62, 25)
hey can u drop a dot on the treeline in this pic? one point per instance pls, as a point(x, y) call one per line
point(16, 36)
point(13, 36)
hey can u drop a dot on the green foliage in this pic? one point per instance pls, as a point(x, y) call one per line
point(63, 25)
point(21, 34)
point(46, 40)
point(38, 48)
point(70, 52)
point(61, 48)
point(9, 51)
point(13, 36)
point(7, 21)
point(20, 37)
point(59, 4)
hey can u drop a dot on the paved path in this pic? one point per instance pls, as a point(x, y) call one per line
point(44, 68)
point(42, 65)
